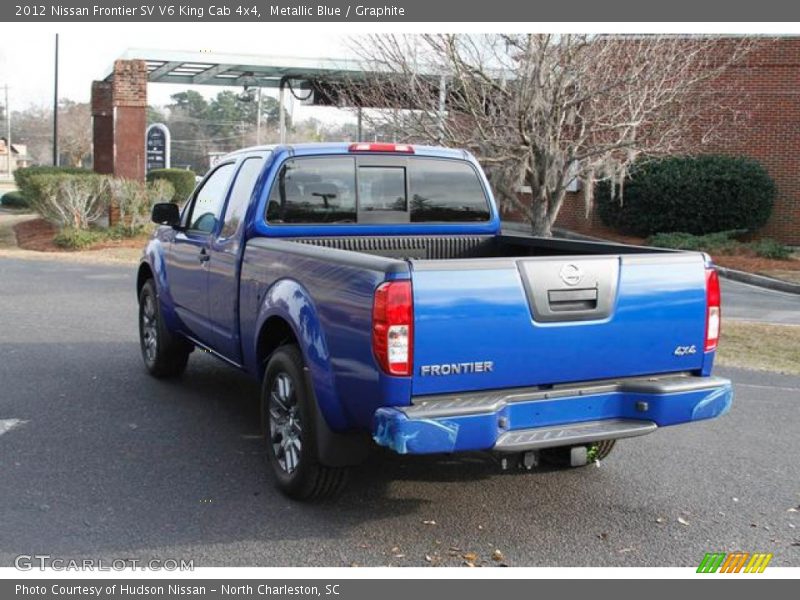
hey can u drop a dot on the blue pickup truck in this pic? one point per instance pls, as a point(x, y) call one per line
point(370, 289)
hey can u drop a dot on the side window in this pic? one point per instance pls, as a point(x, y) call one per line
point(240, 195)
point(209, 200)
point(314, 190)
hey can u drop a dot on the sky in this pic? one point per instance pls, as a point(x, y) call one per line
point(87, 52)
point(89, 49)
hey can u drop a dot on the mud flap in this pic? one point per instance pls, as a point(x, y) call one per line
point(336, 449)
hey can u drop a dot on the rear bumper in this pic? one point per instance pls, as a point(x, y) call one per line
point(529, 418)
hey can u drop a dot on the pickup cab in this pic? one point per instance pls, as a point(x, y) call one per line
point(370, 290)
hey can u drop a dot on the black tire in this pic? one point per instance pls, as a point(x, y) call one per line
point(289, 431)
point(164, 354)
point(602, 449)
point(559, 457)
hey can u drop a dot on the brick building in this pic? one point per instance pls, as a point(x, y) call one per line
point(19, 158)
point(770, 133)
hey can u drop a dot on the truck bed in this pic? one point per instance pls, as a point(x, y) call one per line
point(438, 247)
point(504, 299)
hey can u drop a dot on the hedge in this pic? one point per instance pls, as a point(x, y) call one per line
point(14, 200)
point(697, 195)
point(182, 180)
point(22, 177)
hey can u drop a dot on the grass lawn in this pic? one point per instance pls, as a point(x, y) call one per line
point(760, 346)
point(790, 276)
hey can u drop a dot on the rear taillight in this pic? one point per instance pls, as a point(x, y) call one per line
point(381, 147)
point(713, 309)
point(393, 327)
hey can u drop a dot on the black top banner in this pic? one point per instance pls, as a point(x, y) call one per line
point(441, 11)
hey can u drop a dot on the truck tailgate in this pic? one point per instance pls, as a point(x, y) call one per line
point(505, 322)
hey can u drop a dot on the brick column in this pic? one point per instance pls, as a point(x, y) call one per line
point(129, 94)
point(102, 127)
point(119, 113)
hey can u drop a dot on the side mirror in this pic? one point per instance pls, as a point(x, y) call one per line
point(166, 213)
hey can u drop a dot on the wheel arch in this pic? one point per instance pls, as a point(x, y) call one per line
point(144, 273)
point(274, 333)
point(287, 312)
point(288, 315)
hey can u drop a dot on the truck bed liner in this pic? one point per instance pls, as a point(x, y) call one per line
point(444, 247)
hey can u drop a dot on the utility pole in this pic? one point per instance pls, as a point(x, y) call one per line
point(8, 135)
point(258, 118)
point(55, 110)
point(281, 105)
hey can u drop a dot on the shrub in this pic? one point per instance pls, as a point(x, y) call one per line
point(22, 177)
point(76, 239)
point(14, 200)
point(135, 200)
point(769, 248)
point(697, 195)
point(68, 200)
point(721, 242)
point(182, 180)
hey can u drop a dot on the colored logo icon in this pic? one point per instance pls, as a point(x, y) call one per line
point(735, 562)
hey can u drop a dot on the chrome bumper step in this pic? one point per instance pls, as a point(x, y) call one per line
point(571, 435)
point(471, 403)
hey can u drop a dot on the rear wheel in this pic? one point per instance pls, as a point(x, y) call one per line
point(164, 355)
point(290, 431)
point(600, 450)
point(595, 451)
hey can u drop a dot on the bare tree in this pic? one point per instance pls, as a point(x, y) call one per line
point(544, 110)
point(34, 128)
point(75, 132)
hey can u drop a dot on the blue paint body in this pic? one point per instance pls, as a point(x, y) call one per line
point(460, 315)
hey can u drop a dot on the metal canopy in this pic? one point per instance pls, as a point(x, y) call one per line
point(206, 68)
point(255, 71)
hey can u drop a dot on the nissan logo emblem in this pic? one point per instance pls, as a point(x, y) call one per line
point(571, 274)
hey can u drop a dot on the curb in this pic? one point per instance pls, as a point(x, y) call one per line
point(761, 281)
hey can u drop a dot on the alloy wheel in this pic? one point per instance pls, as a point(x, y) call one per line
point(285, 426)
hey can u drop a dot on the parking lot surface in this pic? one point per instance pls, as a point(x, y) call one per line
point(99, 460)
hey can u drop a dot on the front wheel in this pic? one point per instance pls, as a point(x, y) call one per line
point(163, 354)
point(290, 435)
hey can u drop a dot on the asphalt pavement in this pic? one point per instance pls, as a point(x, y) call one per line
point(99, 460)
point(750, 303)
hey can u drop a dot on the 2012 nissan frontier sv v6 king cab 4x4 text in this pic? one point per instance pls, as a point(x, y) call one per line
point(371, 291)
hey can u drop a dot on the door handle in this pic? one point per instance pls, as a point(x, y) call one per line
point(204, 255)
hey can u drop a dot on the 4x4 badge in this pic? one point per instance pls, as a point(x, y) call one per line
point(685, 350)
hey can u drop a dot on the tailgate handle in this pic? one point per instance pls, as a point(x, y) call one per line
point(566, 289)
point(569, 300)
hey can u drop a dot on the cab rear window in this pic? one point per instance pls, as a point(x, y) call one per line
point(445, 190)
point(356, 189)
